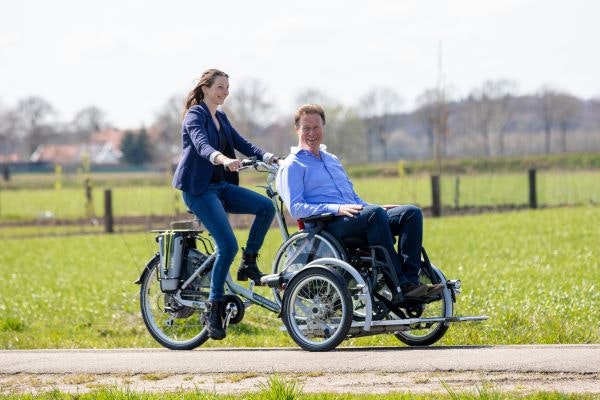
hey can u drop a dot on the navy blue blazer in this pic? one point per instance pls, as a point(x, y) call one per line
point(200, 139)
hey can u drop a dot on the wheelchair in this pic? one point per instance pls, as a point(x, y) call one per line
point(330, 291)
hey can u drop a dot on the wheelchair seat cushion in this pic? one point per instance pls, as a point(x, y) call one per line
point(355, 242)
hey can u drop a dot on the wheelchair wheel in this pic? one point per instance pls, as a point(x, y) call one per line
point(425, 334)
point(302, 248)
point(171, 324)
point(317, 309)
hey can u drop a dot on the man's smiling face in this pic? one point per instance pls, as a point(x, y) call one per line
point(310, 132)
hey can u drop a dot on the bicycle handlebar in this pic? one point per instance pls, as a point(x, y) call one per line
point(249, 162)
point(253, 162)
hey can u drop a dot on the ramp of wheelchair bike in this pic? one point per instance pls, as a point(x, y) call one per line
point(395, 325)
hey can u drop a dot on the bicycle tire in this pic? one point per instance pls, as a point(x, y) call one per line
point(169, 323)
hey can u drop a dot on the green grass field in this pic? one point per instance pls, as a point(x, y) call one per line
point(534, 273)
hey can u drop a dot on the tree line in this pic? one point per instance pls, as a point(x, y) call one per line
point(492, 120)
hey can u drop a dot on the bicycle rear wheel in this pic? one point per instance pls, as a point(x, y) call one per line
point(173, 325)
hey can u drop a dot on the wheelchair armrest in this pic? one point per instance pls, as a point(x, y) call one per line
point(319, 217)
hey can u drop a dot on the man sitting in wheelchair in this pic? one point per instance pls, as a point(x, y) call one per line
point(312, 182)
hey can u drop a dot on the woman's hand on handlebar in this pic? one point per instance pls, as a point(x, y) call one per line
point(235, 165)
point(232, 164)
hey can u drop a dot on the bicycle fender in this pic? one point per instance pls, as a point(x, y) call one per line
point(334, 262)
point(315, 267)
point(146, 269)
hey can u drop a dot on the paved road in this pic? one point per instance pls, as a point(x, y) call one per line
point(579, 359)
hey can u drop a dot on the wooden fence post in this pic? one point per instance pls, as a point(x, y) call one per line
point(457, 192)
point(532, 189)
point(436, 200)
point(89, 204)
point(108, 212)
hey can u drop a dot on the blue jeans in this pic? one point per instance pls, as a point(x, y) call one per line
point(380, 227)
point(211, 208)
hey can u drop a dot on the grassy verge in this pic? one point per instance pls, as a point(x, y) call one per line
point(535, 273)
point(278, 388)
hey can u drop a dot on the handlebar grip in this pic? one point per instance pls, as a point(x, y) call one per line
point(249, 162)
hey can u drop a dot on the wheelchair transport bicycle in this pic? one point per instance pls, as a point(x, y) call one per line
point(323, 290)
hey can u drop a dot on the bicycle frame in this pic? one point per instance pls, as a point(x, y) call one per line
point(272, 193)
point(230, 285)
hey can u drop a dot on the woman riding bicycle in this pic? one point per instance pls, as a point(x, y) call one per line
point(207, 175)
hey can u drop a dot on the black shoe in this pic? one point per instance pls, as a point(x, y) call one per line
point(249, 269)
point(213, 321)
point(414, 291)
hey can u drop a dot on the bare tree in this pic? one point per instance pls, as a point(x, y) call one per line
point(33, 115)
point(379, 110)
point(506, 90)
point(595, 107)
point(432, 114)
point(168, 123)
point(490, 109)
point(281, 136)
point(248, 107)
point(344, 134)
point(427, 113)
point(548, 98)
point(8, 128)
point(315, 96)
point(568, 109)
point(87, 121)
point(591, 114)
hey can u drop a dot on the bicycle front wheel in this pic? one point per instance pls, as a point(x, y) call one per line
point(317, 309)
point(173, 325)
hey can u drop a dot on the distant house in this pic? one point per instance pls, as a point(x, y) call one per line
point(107, 145)
point(64, 154)
point(10, 158)
point(102, 149)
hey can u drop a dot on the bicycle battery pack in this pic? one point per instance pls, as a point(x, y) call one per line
point(171, 252)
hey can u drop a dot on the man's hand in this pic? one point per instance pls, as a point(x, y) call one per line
point(349, 210)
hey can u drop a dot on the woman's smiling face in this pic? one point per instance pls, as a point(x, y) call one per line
point(218, 92)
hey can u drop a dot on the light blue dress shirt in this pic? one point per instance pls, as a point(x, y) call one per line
point(309, 185)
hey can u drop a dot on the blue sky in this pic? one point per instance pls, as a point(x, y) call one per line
point(129, 57)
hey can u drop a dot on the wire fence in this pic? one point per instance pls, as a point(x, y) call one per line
point(77, 207)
